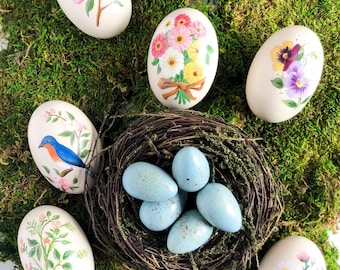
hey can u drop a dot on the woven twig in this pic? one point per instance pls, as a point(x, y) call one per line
point(237, 161)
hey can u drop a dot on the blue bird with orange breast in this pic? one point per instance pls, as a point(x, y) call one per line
point(63, 156)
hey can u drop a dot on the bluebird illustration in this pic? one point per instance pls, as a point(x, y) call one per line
point(63, 156)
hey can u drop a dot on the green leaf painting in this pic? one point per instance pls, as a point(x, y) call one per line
point(45, 245)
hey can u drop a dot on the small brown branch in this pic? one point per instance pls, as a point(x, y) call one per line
point(100, 9)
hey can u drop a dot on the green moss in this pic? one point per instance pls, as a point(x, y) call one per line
point(49, 58)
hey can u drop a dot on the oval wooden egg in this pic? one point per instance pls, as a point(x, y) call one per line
point(293, 252)
point(50, 238)
point(98, 18)
point(64, 145)
point(182, 58)
point(284, 74)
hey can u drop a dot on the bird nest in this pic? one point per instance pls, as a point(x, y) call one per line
point(236, 160)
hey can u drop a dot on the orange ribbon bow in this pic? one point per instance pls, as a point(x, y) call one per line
point(164, 83)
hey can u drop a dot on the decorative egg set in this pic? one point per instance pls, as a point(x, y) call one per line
point(164, 199)
point(182, 63)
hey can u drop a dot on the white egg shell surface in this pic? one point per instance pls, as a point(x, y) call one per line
point(293, 252)
point(188, 233)
point(219, 207)
point(158, 216)
point(98, 18)
point(284, 74)
point(182, 58)
point(148, 182)
point(191, 169)
point(50, 238)
point(64, 145)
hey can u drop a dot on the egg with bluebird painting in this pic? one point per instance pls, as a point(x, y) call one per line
point(65, 146)
point(98, 18)
point(284, 74)
point(182, 58)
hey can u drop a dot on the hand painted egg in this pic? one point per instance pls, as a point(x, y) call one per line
point(293, 252)
point(158, 216)
point(50, 238)
point(284, 74)
point(182, 58)
point(147, 182)
point(334, 239)
point(219, 207)
point(189, 232)
point(191, 169)
point(64, 145)
point(98, 18)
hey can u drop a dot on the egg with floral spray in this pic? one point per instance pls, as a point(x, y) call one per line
point(293, 252)
point(98, 18)
point(50, 238)
point(182, 58)
point(284, 74)
point(65, 146)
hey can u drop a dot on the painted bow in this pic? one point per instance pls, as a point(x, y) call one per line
point(164, 83)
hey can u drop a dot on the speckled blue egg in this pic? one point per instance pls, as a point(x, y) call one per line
point(219, 207)
point(158, 216)
point(147, 182)
point(191, 169)
point(188, 233)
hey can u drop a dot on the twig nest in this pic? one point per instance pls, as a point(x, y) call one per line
point(236, 161)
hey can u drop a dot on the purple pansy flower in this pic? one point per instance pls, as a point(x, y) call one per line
point(296, 81)
point(287, 56)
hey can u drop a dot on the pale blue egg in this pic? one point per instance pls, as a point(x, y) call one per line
point(218, 205)
point(147, 182)
point(188, 233)
point(158, 216)
point(191, 169)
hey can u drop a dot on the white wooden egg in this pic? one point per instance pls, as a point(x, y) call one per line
point(50, 238)
point(182, 58)
point(293, 252)
point(64, 145)
point(284, 74)
point(98, 18)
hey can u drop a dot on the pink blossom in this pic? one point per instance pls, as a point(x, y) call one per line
point(78, 1)
point(62, 184)
point(27, 266)
point(48, 114)
point(303, 256)
point(159, 45)
point(56, 224)
point(42, 217)
point(47, 240)
point(198, 29)
point(73, 125)
point(180, 38)
point(21, 246)
point(182, 20)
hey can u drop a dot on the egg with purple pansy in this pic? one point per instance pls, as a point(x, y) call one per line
point(284, 74)
point(182, 58)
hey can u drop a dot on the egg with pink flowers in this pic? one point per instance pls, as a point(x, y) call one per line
point(182, 58)
point(50, 238)
point(293, 252)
